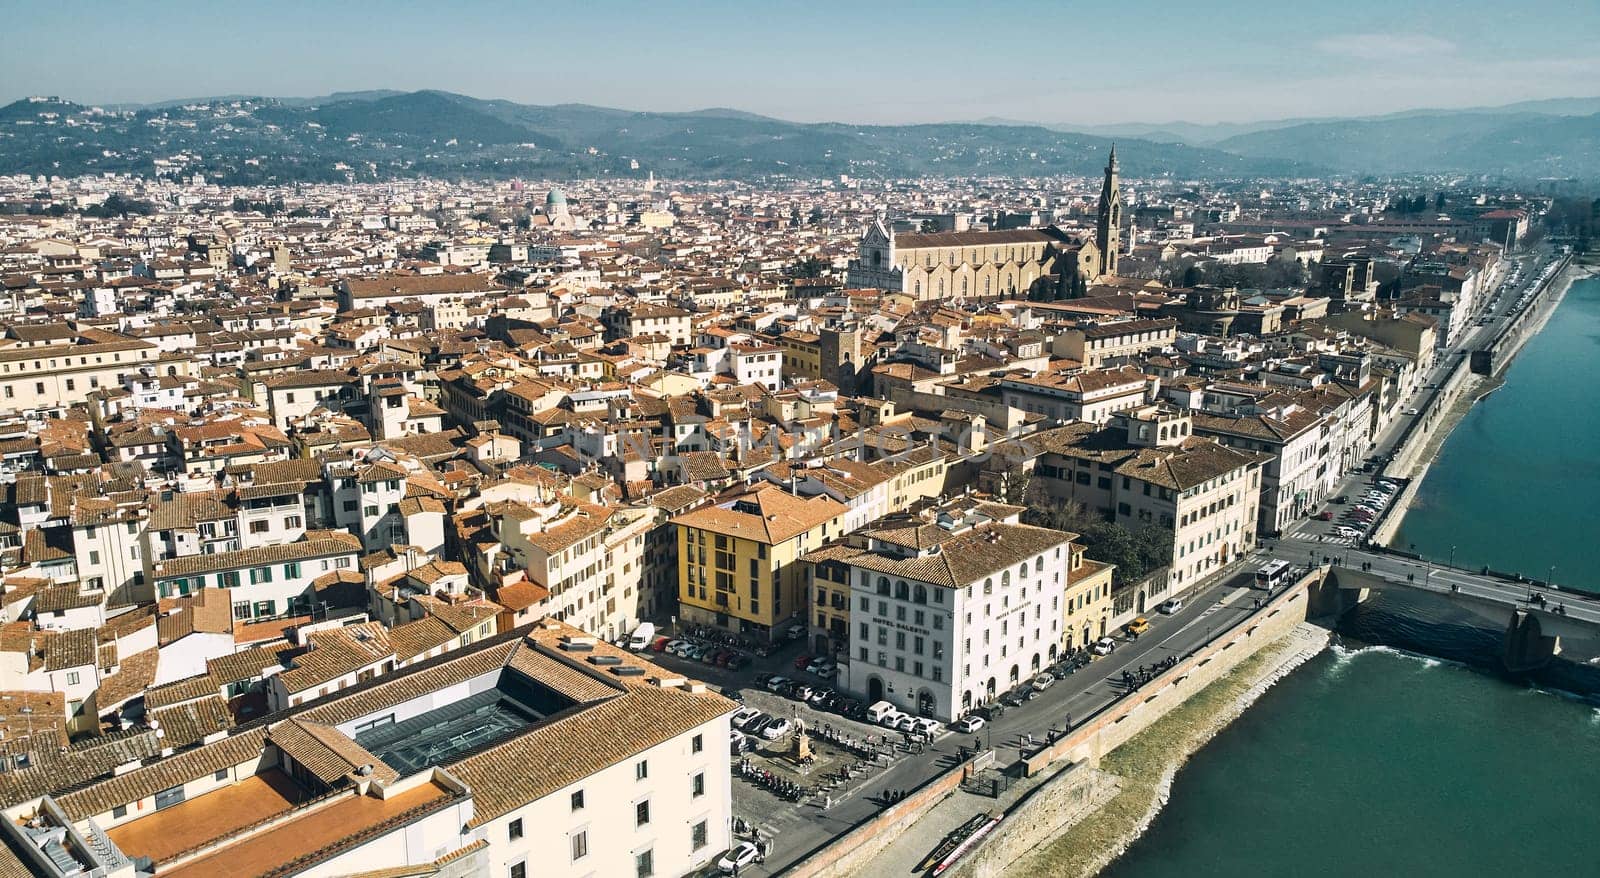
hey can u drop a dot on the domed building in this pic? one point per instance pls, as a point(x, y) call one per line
point(555, 209)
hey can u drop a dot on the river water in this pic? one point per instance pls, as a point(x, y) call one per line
point(1405, 751)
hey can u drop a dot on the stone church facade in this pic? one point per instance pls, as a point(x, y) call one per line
point(1005, 263)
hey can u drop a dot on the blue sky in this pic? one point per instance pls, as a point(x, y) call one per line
point(882, 62)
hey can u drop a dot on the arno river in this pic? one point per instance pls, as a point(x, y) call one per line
point(1403, 751)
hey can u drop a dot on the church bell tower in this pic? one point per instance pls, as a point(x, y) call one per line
point(1108, 230)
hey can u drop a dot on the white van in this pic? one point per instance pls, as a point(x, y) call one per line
point(878, 711)
point(643, 636)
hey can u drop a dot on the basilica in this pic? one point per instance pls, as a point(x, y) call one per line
point(1006, 263)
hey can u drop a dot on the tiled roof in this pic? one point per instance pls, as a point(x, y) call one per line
point(317, 548)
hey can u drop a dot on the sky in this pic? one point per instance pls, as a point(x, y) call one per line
point(1067, 62)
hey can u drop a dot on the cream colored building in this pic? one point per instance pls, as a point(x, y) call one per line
point(1099, 345)
point(54, 366)
point(1148, 468)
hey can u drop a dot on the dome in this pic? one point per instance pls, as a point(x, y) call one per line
point(555, 197)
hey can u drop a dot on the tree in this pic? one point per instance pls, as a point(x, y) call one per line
point(810, 266)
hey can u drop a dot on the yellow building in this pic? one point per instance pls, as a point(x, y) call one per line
point(1088, 606)
point(737, 565)
point(802, 354)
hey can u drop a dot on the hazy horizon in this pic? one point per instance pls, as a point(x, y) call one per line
point(1133, 63)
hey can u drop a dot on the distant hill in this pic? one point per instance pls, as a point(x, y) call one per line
point(381, 135)
point(374, 135)
point(1471, 141)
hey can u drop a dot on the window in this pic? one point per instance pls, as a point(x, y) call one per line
point(222, 774)
point(641, 813)
point(644, 864)
point(258, 527)
point(519, 869)
point(697, 836)
point(119, 811)
point(577, 800)
point(169, 797)
point(94, 557)
point(291, 570)
point(580, 844)
point(641, 770)
point(72, 678)
point(260, 574)
point(514, 829)
point(697, 743)
point(698, 788)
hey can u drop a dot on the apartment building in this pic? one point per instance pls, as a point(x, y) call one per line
point(266, 582)
point(1148, 467)
point(736, 558)
point(1092, 396)
point(1097, 345)
point(51, 367)
point(1297, 472)
point(950, 606)
point(632, 776)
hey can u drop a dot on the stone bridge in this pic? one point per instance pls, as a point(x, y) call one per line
point(1536, 617)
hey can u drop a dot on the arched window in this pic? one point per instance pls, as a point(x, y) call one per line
point(921, 594)
point(901, 590)
point(1038, 564)
point(988, 586)
point(1005, 579)
point(917, 288)
point(883, 585)
point(1022, 570)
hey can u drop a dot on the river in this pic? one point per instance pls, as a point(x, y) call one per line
point(1404, 751)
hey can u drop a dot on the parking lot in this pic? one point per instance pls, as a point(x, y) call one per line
point(1351, 515)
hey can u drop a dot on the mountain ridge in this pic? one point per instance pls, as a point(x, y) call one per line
point(383, 134)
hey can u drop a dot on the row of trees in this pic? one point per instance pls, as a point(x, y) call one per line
point(1278, 273)
point(1416, 204)
point(1136, 552)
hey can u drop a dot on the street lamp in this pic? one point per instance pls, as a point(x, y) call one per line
point(1550, 581)
point(1452, 556)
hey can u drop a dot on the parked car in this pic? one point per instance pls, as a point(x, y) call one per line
point(738, 661)
point(1325, 515)
point(1103, 646)
point(742, 716)
point(802, 660)
point(1138, 626)
point(1172, 606)
point(739, 742)
point(1342, 498)
point(928, 726)
point(969, 724)
point(742, 855)
point(660, 643)
point(906, 723)
point(1043, 682)
point(800, 692)
point(892, 719)
point(774, 682)
point(759, 725)
point(820, 666)
point(777, 729)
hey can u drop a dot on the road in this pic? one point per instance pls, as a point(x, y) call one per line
point(1500, 306)
point(797, 829)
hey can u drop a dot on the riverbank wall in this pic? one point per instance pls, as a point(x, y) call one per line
point(1112, 727)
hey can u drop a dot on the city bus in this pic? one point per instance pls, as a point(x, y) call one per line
point(1272, 574)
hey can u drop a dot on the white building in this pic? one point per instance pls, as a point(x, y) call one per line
point(949, 609)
